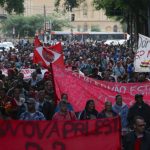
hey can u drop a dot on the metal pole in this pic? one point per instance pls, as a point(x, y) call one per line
point(44, 18)
point(70, 37)
point(50, 37)
point(44, 25)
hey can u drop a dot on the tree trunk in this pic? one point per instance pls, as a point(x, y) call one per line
point(137, 26)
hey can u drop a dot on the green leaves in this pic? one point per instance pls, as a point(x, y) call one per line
point(132, 12)
point(24, 25)
point(10, 6)
point(69, 4)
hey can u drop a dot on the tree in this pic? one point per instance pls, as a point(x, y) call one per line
point(10, 6)
point(28, 25)
point(132, 12)
point(68, 4)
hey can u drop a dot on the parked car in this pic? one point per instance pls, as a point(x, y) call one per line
point(9, 44)
point(4, 47)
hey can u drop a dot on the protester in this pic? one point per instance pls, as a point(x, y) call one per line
point(95, 60)
point(108, 111)
point(95, 75)
point(17, 103)
point(89, 112)
point(45, 106)
point(121, 109)
point(49, 91)
point(33, 98)
point(64, 113)
point(140, 108)
point(31, 113)
point(4, 101)
point(139, 138)
point(64, 97)
point(34, 79)
point(119, 70)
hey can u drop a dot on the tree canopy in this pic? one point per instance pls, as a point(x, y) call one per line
point(133, 12)
point(69, 4)
point(10, 6)
point(27, 26)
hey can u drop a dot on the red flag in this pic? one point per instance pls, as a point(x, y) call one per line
point(37, 42)
point(47, 55)
point(58, 49)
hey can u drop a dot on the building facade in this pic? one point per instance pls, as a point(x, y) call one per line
point(34, 7)
point(89, 19)
point(84, 18)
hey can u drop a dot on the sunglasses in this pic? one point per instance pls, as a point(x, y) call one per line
point(141, 125)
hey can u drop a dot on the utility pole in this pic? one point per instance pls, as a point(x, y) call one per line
point(44, 18)
point(50, 30)
point(45, 38)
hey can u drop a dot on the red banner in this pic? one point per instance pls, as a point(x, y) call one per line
point(80, 88)
point(69, 135)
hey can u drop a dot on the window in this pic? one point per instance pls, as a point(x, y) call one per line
point(85, 9)
point(85, 27)
point(108, 29)
point(79, 28)
point(115, 28)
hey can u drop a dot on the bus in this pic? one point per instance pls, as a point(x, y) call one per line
point(92, 36)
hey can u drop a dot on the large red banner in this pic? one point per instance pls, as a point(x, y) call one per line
point(80, 88)
point(63, 135)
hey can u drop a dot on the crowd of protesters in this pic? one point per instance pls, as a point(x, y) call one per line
point(33, 99)
point(104, 62)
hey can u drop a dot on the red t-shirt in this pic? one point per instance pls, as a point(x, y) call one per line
point(137, 145)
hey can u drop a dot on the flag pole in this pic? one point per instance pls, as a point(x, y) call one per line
point(54, 86)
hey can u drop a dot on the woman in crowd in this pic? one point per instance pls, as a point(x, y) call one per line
point(64, 97)
point(64, 113)
point(89, 112)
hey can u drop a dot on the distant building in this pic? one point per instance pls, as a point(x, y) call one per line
point(89, 19)
point(34, 7)
point(3, 14)
point(84, 18)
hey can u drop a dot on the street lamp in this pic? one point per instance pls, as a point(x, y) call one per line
point(48, 29)
point(13, 32)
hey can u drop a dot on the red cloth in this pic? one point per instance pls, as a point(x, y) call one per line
point(45, 56)
point(61, 135)
point(81, 88)
point(37, 42)
point(67, 116)
point(137, 144)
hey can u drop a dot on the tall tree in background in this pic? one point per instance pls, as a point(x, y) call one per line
point(27, 25)
point(68, 4)
point(10, 6)
point(133, 12)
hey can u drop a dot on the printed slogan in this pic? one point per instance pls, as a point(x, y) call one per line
point(62, 135)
